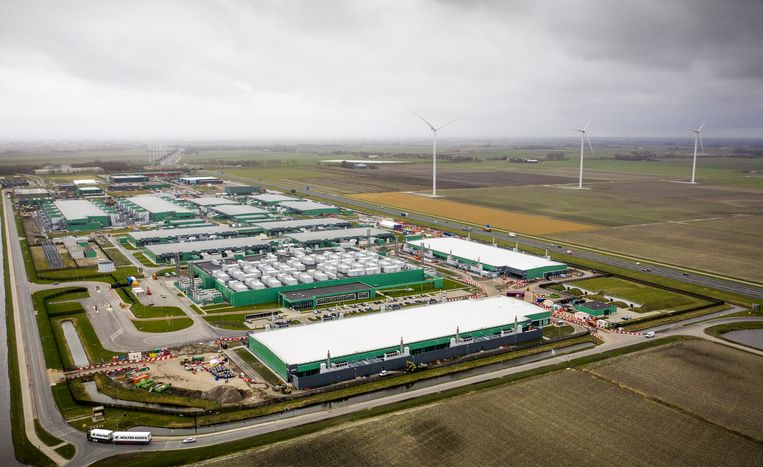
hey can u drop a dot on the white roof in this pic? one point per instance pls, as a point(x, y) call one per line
point(155, 204)
point(165, 233)
point(486, 254)
point(295, 224)
point(272, 198)
point(211, 201)
point(199, 178)
point(238, 209)
point(305, 344)
point(78, 208)
point(304, 205)
point(85, 181)
point(235, 243)
point(338, 234)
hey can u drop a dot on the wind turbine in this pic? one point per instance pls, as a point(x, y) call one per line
point(697, 137)
point(434, 150)
point(583, 138)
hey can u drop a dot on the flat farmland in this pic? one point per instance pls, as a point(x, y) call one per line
point(718, 383)
point(515, 221)
point(732, 251)
point(569, 417)
point(619, 203)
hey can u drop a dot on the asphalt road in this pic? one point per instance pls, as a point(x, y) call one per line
point(719, 283)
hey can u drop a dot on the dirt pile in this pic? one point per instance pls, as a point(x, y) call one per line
point(223, 395)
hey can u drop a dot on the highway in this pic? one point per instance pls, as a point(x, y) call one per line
point(720, 283)
point(39, 400)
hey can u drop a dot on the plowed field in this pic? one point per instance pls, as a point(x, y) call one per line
point(567, 418)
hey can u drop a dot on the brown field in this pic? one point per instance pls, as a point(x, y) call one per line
point(718, 383)
point(514, 221)
point(726, 247)
point(568, 417)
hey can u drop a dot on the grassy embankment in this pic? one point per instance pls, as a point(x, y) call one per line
point(721, 329)
point(651, 298)
point(257, 366)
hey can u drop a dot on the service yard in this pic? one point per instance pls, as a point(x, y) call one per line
point(172, 371)
point(678, 412)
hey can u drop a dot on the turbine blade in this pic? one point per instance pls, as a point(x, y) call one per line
point(701, 126)
point(425, 120)
point(700, 144)
point(586, 126)
point(589, 143)
point(443, 126)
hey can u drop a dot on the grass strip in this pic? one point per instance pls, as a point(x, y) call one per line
point(264, 372)
point(163, 325)
point(44, 436)
point(721, 329)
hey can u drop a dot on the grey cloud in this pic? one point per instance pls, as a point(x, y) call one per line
point(235, 68)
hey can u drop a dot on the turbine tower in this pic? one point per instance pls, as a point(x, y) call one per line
point(434, 150)
point(583, 138)
point(697, 138)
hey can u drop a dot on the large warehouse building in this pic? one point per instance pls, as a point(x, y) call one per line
point(147, 237)
point(480, 257)
point(322, 278)
point(271, 199)
point(309, 208)
point(324, 238)
point(211, 201)
point(77, 214)
point(149, 208)
point(333, 351)
point(241, 212)
point(163, 252)
point(279, 227)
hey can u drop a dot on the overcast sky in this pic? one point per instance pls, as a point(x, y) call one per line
point(354, 69)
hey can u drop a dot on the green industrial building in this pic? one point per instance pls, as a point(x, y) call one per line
point(161, 253)
point(241, 190)
point(149, 208)
point(271, 199)
point(329, 352)
point(596, 308)
point(308, 281)
point(489, 259)
point(309, 208)
point(32, 196)
point(76, 215)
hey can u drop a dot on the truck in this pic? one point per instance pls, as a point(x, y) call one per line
point(403, 214)
point(98, 435)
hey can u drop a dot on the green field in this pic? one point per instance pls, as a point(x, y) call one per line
point(651, 298)
point(163, 325)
